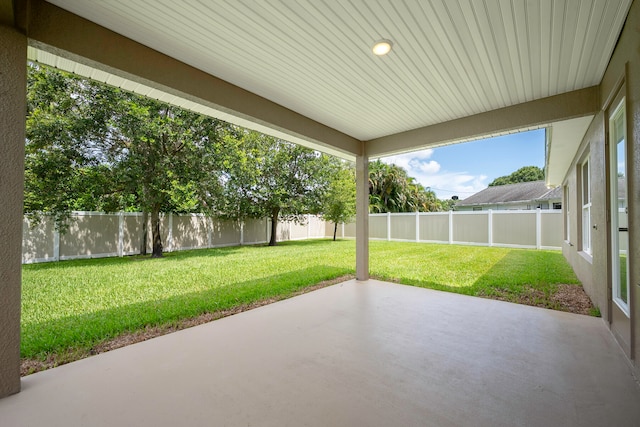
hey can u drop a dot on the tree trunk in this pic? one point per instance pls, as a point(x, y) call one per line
point(274, 226)
point(155, 230)
point(143, 238)
point(335, 230)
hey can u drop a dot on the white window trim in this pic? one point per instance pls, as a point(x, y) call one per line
point(586, 207)
point(619, 111)
point(567, 213)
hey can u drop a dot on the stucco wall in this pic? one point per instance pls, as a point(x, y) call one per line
point(13, 51)
point(585, 265)
point(624, 67)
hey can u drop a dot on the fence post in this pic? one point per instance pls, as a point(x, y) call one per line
point(450, 227)
point(120, 233)
point(388, 225)
point(56, 244)
point(170, 234)
point(343, 230)
point(241, 233)
point(308, 226)
point(210, 231)
point(267, 229)
point(417, 226)
point(490, 227)
point(538, 228)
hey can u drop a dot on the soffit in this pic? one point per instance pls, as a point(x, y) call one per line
point(563, 140)
point(451, 58)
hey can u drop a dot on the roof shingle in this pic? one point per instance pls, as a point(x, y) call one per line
point(520, 192)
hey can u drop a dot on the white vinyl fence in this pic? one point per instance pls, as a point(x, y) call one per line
point(95, 235)
point(539, 229)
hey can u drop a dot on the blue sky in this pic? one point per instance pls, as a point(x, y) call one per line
point(464, 169)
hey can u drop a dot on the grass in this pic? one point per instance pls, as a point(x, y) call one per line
point(72, 306)
point(471, 270)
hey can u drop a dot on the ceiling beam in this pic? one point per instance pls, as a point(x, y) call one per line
point(541, 112)
point(65, 34)
point(7, 14)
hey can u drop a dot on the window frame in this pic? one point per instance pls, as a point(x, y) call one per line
point(619, 113)
point(567, 213)
point(585, 201)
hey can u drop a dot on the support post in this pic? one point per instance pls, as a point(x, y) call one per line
point(13, 83)
point(388, 225)
point(417, 226)
point(362, 216)
point(450, 227)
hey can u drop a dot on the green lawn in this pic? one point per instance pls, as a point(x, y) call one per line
point(74, 305)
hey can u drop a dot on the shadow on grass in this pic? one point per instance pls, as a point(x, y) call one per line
point(300, 243)
point(177, 255)
point(115, 261)
point(86, 330)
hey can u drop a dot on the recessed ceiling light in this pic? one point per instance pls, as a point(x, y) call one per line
point(382, 47)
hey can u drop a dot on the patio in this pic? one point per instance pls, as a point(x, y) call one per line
point(357, 353)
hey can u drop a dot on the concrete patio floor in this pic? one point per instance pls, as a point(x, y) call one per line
point(354, 354)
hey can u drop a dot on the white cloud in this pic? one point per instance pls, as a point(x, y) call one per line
point(459, 184)
point(416, 161)
point(428, 173)
point(430, 167)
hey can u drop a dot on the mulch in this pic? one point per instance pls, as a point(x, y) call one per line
point(570, 298)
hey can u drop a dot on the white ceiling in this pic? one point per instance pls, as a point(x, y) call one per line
point(451, 58)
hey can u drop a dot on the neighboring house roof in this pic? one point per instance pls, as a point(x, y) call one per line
point(553, 194)
point(510, 193)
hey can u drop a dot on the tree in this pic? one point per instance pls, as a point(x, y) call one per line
point(269, 178)
point(340, 200)
point(94, 147)
point(392, 190)
point(62, 168)
point(165, 156)
point(524, 174)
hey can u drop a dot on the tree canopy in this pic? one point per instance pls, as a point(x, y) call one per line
point(340, 200)
point(265, 177)
point(391, 189)
point(95, 147)
point(524, 174)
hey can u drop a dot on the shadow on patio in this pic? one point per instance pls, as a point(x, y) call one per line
point(355, 353)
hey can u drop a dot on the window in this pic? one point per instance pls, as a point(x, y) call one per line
point(618, 206)
point(586, 207)
point(557, 205)
point(567, 214)
point(477, 208)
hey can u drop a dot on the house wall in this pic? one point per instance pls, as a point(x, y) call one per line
point(589, 268)
point(624, 67)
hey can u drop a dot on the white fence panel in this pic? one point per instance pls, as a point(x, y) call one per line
point(540, 229)
point(94, 234)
